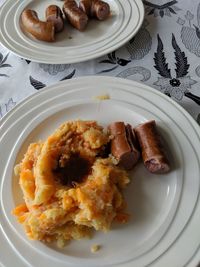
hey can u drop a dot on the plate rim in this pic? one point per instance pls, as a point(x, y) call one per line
point(87, 77)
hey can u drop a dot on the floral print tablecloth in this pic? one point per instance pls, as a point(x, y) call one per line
point(164, 54)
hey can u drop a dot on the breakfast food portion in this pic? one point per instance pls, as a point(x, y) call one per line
point(76, 15)
point(68, 188)
point(72, 183)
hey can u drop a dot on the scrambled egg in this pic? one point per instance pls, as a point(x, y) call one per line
point(68, 188)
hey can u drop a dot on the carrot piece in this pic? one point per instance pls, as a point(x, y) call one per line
point(20, 210)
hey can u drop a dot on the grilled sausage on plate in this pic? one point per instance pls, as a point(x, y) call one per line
point(95, 8)
point(124, 144)
point(153, 153)
point(44, 31)
point(54, 14)
point(75, 15)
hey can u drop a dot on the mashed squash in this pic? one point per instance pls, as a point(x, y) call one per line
point(69, 189)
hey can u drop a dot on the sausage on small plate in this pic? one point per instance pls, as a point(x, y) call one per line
point(95, 8)
point(54, 14)
point(77, 18)
point(44, 31)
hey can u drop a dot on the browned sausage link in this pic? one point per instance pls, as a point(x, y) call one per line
point(123, 144)
point(75, 15)
point(44, 31)
point(100, 9)
point(54, 14)
point(95, 8)
point(86, 5)
point(153, 153)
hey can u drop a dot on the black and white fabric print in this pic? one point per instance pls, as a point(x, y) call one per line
point(128, 73)
point(27, 61)
point(4, 108)
point(36, 84)
point(167, 9)
point(178, 85)
point(3, 64)
point(140, 45)
point(137, 48)
point(197, 71)
point(39, 85)
point(190, 32)
point(113, 61)
point(69, 76)
point(53, 69)
point(198, 119)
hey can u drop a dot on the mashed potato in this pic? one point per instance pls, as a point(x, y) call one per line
point(68, 188)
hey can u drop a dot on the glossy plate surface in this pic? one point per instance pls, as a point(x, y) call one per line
point(165, 209)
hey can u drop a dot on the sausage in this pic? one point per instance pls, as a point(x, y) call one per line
point(44, 31)
point(54, 14)
point(75, 15)
point(151, 144)
point(100, 9)
point(85, 6)
point(124, 145)
point(95, 8)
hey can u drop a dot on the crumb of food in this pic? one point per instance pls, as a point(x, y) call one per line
point(95, 248)
point(114, 160)
point(60, 243)
point(69, 190)
point(17, 169)
point(103, 97)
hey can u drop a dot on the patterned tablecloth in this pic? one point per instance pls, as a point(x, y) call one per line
point(164, 54)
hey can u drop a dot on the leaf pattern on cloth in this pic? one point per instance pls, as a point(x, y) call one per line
point(193, 97)
point(140, 45)
point(3, 64)
point(190, 34)
point(4, 108)
point(36, 84)
point(69, 76)
point(175, 87)
point(146, 74)
point(181, 60)
point(160, 60)
point(39, 85)
point(54, 69)
point(166, 9)
point(113, 60)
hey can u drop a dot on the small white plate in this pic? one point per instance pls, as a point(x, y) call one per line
point(70, 46)
point(165, 209)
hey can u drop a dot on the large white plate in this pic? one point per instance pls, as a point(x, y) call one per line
point(165, 209)
point(71, 45)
